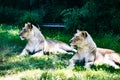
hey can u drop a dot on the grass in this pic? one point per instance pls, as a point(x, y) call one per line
point(50, 67)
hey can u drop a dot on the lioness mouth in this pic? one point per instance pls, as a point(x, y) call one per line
point(22, 38)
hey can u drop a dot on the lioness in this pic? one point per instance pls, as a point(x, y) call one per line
point(37, 44)
point(88, 51)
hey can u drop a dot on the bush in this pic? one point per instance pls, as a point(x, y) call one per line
point(94, 16)
point(72, 18)
point(32, 17)
point(75, 18)
point(84, 18)
point(9, 15)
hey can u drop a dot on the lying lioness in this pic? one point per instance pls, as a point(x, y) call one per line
point(37, 44)
point(88, 51)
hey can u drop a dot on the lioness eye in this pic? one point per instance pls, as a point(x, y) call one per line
point(25, 30)
point(77, 36)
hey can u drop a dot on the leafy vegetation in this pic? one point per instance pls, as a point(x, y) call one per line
point(90, 15)
point(33, 17)
point(50, 67)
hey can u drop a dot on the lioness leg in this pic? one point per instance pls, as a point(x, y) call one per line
point(38, 54)
point(89, 61)
point(73, 60)
point(110, 62)
point(24, 52)
point(88, 64)
point(61, 51)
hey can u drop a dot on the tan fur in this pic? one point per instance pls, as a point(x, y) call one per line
point(88, 50)
point(37, 44)
point(107, 56)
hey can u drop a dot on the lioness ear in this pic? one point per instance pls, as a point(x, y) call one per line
point(30, 25)
point(78, 30)
point(38, 27)
point(84, 34)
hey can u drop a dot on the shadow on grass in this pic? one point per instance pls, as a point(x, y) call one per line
point(106, 68)
point(59, 61)
point(80, 67)
point(18, 64)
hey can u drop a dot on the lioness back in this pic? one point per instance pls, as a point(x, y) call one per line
point(57, 46)
point(105, 51)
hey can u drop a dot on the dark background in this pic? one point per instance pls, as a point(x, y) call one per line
point(91, 15)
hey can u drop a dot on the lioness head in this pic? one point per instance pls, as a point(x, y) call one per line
point(26, 31)
point(78, 38)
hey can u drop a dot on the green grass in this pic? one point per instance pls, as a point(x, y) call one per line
point(109, 41)
point(50, 67)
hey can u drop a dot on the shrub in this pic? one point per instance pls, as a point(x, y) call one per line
point(93, 16)
point(115, 22)
point(9, 15)
point(32, 17)
point(75, 18)
point(71, 18)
